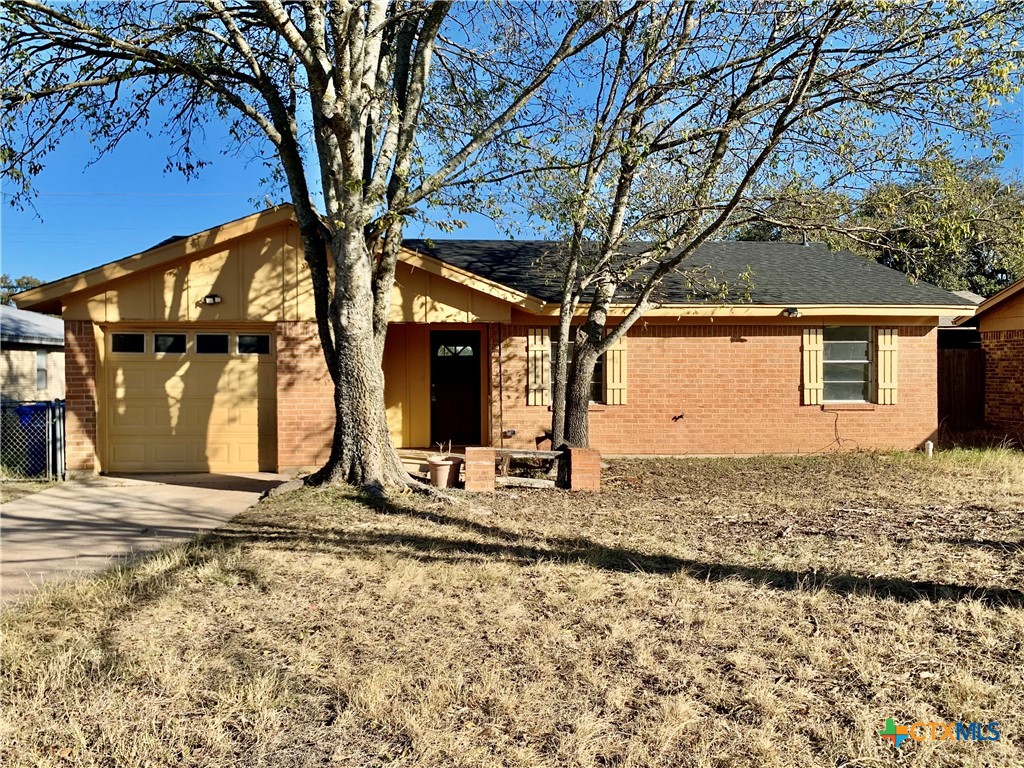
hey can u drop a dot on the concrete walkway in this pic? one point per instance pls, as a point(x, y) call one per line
point(85, 525)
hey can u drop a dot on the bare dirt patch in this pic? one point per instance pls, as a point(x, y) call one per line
point(761, 612)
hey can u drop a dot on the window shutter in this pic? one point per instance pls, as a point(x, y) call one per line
point(814, 350)
point(615, 373)
point(888, 341)
point(538, 366)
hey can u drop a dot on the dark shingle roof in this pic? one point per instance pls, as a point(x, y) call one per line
point(780, 273)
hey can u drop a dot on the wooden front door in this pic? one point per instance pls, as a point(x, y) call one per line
point(455, 387)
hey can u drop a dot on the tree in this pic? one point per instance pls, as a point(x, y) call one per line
point(702, 111)
point(950, 222)
point(373, 105)
point(12, 285)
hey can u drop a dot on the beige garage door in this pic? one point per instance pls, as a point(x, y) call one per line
point(190, 401)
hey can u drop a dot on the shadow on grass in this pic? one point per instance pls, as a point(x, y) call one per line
point(510, 546)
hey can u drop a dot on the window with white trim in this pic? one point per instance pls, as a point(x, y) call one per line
point(42, 369)
point(848, 364)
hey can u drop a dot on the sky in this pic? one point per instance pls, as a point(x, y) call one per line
point(88, 214)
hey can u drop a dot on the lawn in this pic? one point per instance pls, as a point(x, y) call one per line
point(753, 612)
point(17, 489)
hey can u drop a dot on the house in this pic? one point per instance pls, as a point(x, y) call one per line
point(31, 355)
point(202, 354)
point(999, 320)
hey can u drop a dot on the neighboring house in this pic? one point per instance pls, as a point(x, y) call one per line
point(1000, 322)
point(31, 355)
point(956, 335)
point(202, 354)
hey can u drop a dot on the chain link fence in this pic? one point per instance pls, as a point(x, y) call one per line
point(32, 440)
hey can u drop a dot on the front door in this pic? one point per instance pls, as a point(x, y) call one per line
point(455, 387)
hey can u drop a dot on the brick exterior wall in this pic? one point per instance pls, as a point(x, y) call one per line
point(305, 398)
point(692, 389)
point(1004, 379)
point(80, 401)
point(721, 389)
point(584, 470)
point(479, 472)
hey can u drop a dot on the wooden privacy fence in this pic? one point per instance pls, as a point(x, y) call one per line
point(962, 388)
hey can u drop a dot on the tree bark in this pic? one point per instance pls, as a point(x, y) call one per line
point(362, 452)
point(577, 403)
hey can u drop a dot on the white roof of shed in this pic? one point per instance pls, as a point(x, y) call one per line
point(24, 327)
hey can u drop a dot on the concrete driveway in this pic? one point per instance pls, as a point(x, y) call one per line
point(86, 525)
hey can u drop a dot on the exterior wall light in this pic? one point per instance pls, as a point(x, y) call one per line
point(791, 312)
point(212, 298)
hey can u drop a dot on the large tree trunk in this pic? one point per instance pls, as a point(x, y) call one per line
point(589, 345)
point(362, 452)
point(559, 383)
point(577, 402)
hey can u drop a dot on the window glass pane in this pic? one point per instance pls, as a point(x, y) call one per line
point(847, 350)
point(856, 372)
point(597, 383)
point(847, 333)
point(128, 342)
point(455, 350)
point(212, 343)
point(42, 357)
point(253, 344)
point(843, 391)
point(169, 343)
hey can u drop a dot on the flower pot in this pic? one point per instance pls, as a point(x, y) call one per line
point(444, 472)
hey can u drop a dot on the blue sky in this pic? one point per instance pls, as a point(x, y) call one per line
point(87, 215)
point(91, 214)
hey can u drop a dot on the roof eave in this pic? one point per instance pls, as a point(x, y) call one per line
point(414, 258)
point(43, 341)
point(777, 310)
point(995, 300)
point(49, 296)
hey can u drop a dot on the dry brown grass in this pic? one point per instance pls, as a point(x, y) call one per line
point(761, 612)
point(16, 489)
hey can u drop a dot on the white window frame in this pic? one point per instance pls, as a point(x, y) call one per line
point(42, 369)
point(869, 383)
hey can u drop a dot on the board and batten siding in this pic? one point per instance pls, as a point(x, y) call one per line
point(263, 277)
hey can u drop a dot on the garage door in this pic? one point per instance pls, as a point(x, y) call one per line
point(190, 401)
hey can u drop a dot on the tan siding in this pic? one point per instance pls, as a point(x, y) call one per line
point(1007, 316)
point(407, 384)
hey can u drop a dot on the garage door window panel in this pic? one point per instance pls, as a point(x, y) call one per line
point(212, 344)
point(128, 343)
point(253, 344)
point(170, 343)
